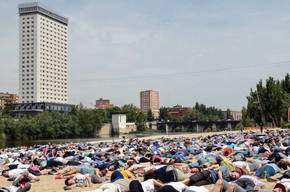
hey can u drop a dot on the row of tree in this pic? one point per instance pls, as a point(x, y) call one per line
point(269, 102)
point(80, 123)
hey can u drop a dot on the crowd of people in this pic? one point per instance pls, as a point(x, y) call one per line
point(236, 162)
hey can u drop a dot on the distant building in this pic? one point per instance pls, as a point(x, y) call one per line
point(43, 60)
point(7, 99)
point(43, 55)
point(104, 104)
point(149, 100)
point(178, 111)
point(237, 115)
point(20, 109)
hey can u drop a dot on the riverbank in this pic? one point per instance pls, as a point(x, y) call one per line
point(171, 135)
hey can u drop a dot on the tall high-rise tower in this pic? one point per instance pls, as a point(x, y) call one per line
point(43, 55)
point(149, 100)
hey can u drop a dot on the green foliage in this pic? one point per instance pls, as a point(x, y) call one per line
point(193, 115)
point(164, 116)
point(108, 113)
point(285, 125)
point(207, 113)
point(7, 111)
point(131, 112)
point(271, 100)
point(141, 122)
point(246, 120)
point(150, 116)
point(79, 123)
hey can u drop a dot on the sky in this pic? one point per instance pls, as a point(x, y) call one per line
point(207, 51)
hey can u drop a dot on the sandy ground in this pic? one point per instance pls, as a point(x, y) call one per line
point(48, 183)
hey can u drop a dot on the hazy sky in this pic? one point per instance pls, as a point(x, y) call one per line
point(212, 52)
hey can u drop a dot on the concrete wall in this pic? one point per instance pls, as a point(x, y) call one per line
point(152, 125)
point(130, 127)
point(105, 130)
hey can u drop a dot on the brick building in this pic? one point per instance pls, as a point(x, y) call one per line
point(149, 100)
point(104, 104)
point(7, 99)
point(178, 111)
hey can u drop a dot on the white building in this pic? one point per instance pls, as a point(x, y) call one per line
point(119, 121)
point(43, 55)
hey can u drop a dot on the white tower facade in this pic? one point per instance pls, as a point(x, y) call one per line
point(43, 55)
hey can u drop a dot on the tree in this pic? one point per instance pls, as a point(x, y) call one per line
point(246, 121)
point(141, 122)
point(150, 116)
point(109, 112)
point(269, 100)
point(131, 112)
point(7, 111)
point(164, 116)
point(193, 115)
point(208, 113)
point(285, 83)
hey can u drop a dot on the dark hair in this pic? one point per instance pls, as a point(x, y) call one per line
point(4, 171)
point(167, 188)
point(227, 153)
point(104, 172)
point(199, 169)
point(149, 174)
point(157, 160)
point(282, 165)
point(135, 186)
point(66, 181)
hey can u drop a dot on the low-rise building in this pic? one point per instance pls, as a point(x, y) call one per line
point(178, 111)
point(21, 109)
point(7, 99)
point(236, 115)
point(104, 104)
